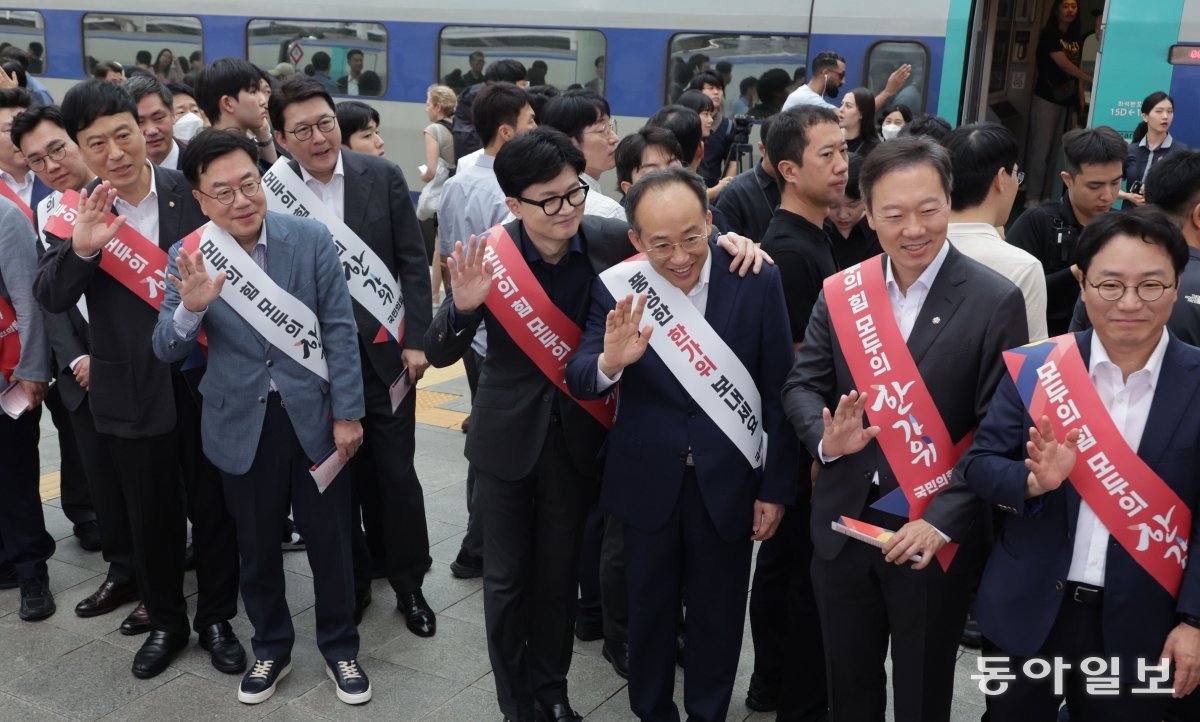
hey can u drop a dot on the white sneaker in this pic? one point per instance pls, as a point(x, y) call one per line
point(353, 687)
point(259, 683)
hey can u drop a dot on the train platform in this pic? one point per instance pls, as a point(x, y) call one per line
point(69, 668)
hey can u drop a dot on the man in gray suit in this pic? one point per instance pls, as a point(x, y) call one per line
point(948, 319)
point(267, 417)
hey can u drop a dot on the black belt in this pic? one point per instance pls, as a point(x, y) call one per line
point(1084, 594)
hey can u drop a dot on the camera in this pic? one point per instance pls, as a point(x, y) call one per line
point(741, 129)
point(1136, 187)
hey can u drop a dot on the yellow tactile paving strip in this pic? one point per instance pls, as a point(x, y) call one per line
point(429, 412)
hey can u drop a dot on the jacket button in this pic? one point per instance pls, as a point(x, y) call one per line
point(270, 363)
point(1059, 586)
point(691, 414)
point(545, 397)
point(262, 399)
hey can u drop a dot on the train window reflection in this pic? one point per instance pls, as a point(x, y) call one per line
point(884, 57)
point(349, 58)
point(776, 62)
point(26, 30)
point(166, 45)
point(563, 58)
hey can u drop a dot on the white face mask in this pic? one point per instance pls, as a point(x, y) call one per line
point(889, 131)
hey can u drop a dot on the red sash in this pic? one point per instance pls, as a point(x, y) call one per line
point(543, 332)
point(912, 435)
point(1140, 511)
point(10, 194)
point(10, 340)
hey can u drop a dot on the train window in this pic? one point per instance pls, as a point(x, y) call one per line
point(773, 60)
point(562, 58)
point(26, 30)
point(349, 58)
point(167, 45)
point(882, 60)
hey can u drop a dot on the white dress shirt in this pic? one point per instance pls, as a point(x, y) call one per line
point(333, 193)
point(143, 217)
point(983, 243)
point(805, 95)
point(598, 204)
point(23, 187)
point(699, 298)
point(172, 159)
point(1128, 403)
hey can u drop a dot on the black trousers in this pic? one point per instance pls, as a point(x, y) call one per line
point(1078, 633)
point(108, 502)
point(532, 532)
point(24, 543)
point(472, 542)
point(614, 590)
point(588, 607)
point(864, 604)
point(687, 554)
point(788, 654)
point(74, 495)
point(386, 484)
point(259, 501)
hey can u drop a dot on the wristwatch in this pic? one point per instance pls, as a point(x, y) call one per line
point(1191, 621)
point(263, 143)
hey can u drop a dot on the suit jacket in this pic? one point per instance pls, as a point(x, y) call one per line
point(68, 334)
point(981, 314)
point(130, 388)
point(513, 401)
point(377, 206)
point(40, 191)
point(658, 421)
point(18, 265)
point(241, 364)
point(1021, 591)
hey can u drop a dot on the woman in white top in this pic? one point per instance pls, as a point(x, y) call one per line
point(439, 145)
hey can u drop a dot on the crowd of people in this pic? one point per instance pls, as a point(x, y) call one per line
point(258, 295)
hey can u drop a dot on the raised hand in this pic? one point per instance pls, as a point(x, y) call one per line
point(896, 80)
point(470, 275)
point(196, 288)
point(9, 81)
point(844, 432)
point(1050, 460)
point(624, 338)
point(92, 229)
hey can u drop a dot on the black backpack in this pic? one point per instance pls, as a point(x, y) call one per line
point(466, 140)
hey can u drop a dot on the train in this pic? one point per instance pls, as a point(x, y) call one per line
point(972, 59)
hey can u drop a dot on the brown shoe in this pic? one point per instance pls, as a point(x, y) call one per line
point(138, 622)
point(108, 597)
point(466, 424)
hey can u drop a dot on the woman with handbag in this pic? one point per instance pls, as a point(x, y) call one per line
point(439, 165)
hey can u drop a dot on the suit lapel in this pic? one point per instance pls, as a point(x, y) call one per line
point(945, 296)
point(356, 190)
point(1172, 399)
point(170, 206)
point(723, 289)
point(279, 256)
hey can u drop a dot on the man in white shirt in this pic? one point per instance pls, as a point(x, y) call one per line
point(829, 75)
point(1062, 584)
point(155, 119)
point(985, 185)
point(584, 115)
point(21, 181)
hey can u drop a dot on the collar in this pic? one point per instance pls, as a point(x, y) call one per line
point(705, 275)
point(593, 184)
point(172, 159)
point(153, 189)
point(12, 180)
point(926, 277)
point(763, 177)
point(485, 161)
point(531, 254)
point(338, 171)
point(973, 229)
point(1099, 358)
point(1145, 142)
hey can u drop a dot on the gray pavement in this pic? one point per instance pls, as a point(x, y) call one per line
point(78, 669)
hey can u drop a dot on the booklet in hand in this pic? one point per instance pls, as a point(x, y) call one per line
point(876, 536)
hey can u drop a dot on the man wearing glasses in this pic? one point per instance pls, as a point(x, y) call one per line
point(267, 418)
point(1094, 565)
point(584, 115)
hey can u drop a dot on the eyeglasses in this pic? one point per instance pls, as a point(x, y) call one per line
point(1148, 291)
point(664, 250)
point(609, 127)
point(38, 162)
point(552, 205)
point(1020, 176)
point(304, 131)
point(924, 215)
point(226, 195)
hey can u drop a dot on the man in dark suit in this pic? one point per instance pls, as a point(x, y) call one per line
point(370, 196)
point(948, 318)
point(145, 411)
point(1062, 583)
point(26, 189)
point(156, 120)
point(267, 417)
point(691, 501)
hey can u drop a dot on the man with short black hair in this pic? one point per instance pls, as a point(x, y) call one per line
point(20, 184)
point(828, 75)
point(1095, 160)
point(156, 120)
point(651, 148)
point(229, 91)
point(597, 83)
point(985, 186)
point(348, 83)
point(587, 119)
point(35, 87)
point(468, 145)
point(717, 163)
point(685, 125)
point(144, 410)
point(321, 63)
point(750, 199)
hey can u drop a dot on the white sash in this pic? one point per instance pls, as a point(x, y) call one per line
point(43, 211)
point(285, 322)
point(696, 355)
point(366, 273)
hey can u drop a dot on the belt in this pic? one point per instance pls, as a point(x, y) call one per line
point(1084, 594)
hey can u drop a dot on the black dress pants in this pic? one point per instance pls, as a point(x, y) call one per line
point(24, 543)
point(74, 495)
point(108, 502)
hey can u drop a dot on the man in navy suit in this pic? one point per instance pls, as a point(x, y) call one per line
point(1057, 583)
point(268, 418)
point(691, 501)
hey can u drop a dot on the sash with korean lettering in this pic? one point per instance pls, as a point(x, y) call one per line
point(10, 341)
point(1136, 506)
point(912, 435)
point(10, 194)
point(542, 331)
point(285, 322)
point(696, 355)
point(366, 274)
point(44, 208)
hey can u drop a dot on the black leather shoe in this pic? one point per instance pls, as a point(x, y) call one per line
point(971, 636)
point(108, 597)
point(138, 622)
point(362, 600)
point(617, 654)
point(259, 683)
point(421, 620)
point(37, 601)
point(223, 646)
point(8, 577)
point(588, 631)
point(352, 684)
point(88, 534)
point(466, 566)
point(559, 712)
point(156, 653)
point(761, 697)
